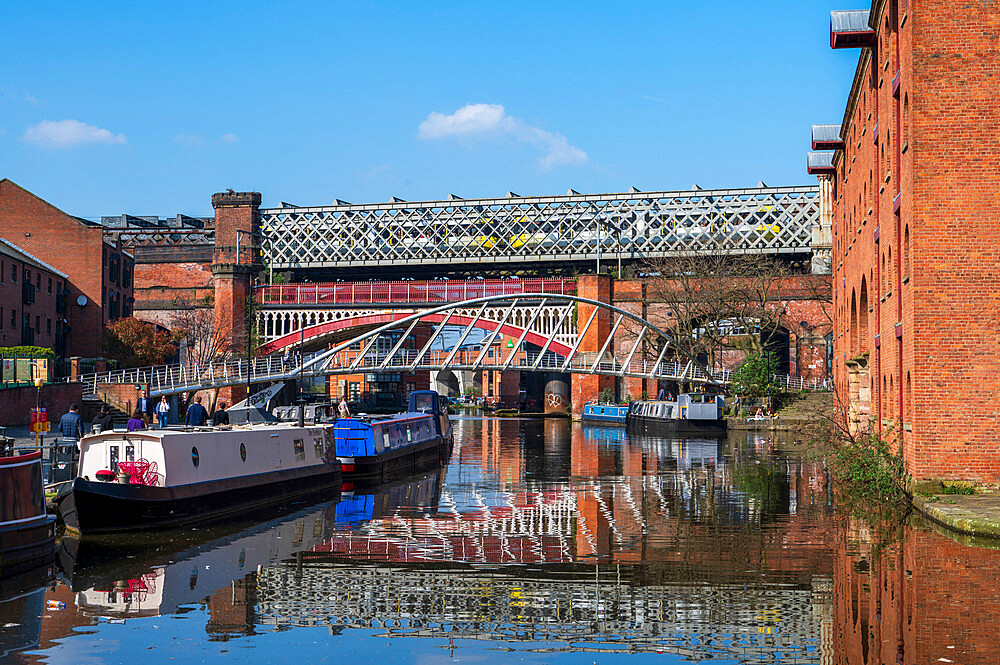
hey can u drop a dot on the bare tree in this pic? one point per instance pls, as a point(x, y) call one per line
point(206, 338)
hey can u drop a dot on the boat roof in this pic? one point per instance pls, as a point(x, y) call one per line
point(188, 431)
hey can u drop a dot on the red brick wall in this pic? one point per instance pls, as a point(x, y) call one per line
point(43, 310)
point(935, 382)
point(16, 403)
point(69, 245)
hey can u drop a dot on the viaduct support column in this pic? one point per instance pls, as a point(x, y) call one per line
point(587, 388)
point(235, 260)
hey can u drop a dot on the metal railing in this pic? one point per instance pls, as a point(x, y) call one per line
point(172, 379)
point(352, 293)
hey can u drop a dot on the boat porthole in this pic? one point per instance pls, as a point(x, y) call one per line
point(243, 452)
point(194, 456)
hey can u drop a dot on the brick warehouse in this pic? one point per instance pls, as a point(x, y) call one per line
point(99, 273)
point(912, 168)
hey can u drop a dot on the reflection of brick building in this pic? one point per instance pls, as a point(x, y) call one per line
point(99, 284)
point(915, 188)
point(923, 599)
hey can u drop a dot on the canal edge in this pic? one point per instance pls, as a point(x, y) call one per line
point(963, 514)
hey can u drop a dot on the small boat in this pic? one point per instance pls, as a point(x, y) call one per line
point(604, 413)
point(27, 532)
point(378, 449)
point(689, 413)
point(157, 478)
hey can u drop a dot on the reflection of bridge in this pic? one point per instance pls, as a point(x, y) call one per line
point(553, 231)
point(580, 608)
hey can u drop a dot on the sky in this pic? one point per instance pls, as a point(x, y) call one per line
point(148, 108)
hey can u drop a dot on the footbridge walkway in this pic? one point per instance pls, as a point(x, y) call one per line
point(612, 342)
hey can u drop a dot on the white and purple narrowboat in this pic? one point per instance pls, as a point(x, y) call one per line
point(157, 478)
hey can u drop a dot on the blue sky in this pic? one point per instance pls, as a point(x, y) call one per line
point(149, 108)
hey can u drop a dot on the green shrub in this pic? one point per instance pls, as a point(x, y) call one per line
point(26, 351)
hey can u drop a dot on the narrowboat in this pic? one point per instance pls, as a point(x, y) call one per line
point(605, 413)
point(159, 478)
point(689, 413)
point(378, 449)
point(27, 532)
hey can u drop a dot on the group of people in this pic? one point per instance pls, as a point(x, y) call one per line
point(147, 411)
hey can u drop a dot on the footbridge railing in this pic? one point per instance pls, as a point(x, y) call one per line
point(630, 347)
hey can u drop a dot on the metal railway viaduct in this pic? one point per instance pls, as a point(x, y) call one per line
point(576, 247)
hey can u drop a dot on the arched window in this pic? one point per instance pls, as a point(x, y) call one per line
point(863, 314)
point(906, 251)
point(854, 322)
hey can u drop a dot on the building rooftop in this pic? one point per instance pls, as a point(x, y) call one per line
point(126, 221)
point(826, 137)
point(8, 248)
point(820, 163)
point(850, 29)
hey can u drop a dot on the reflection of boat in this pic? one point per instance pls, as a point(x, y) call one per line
point(124, 576)
point(22, 602)
point(381, 448)
point(688, 413)
point(155, 478)
point(27, 533)
point(420, 492)
point(605, 413)
point(613, 434)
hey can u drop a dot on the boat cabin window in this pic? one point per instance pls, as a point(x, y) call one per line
point(129, 453)
point(423, 403)
point(385, 439)
point(113, 458)
point(243, 452)
point(300, 449)
point(318, 447)
point(195, 457)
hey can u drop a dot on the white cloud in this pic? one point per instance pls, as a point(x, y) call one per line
point(188, 139)
point(68, 133)
point(229, 138)
point(485, 120)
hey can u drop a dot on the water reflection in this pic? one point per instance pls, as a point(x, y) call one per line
point(543, 537)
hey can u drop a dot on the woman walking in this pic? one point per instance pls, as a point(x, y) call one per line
point(162, 412)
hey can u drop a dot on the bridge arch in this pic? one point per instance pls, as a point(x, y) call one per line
point(446, 314)
point(335, 329)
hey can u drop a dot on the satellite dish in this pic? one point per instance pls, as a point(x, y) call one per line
point(81, 300)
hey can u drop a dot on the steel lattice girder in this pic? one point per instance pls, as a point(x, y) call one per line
point(632, 225)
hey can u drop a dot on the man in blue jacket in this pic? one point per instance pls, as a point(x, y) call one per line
point(196, 414)
point(71, 424)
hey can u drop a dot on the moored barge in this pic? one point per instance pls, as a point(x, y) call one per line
point(27, 532)
point(379, 449)
point(688, 414)
point(158, 478)
point(609, 414)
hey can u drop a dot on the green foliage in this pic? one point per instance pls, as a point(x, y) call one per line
point(130, 342)
point(872, 471)
point(755, 376)
point(607, 396)
point(967, 490)
point(26, 352)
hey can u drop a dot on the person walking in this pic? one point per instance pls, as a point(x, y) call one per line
point(162, 412)
point(103, 421)
point(71, 424)
point(220, 417)
point(145, 406)
point(196, 414)
point(343, 409)
point(136, 422)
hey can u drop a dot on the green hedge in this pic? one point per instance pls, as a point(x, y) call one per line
point(26, 352)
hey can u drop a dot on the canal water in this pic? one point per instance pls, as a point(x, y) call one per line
point(539, 542)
